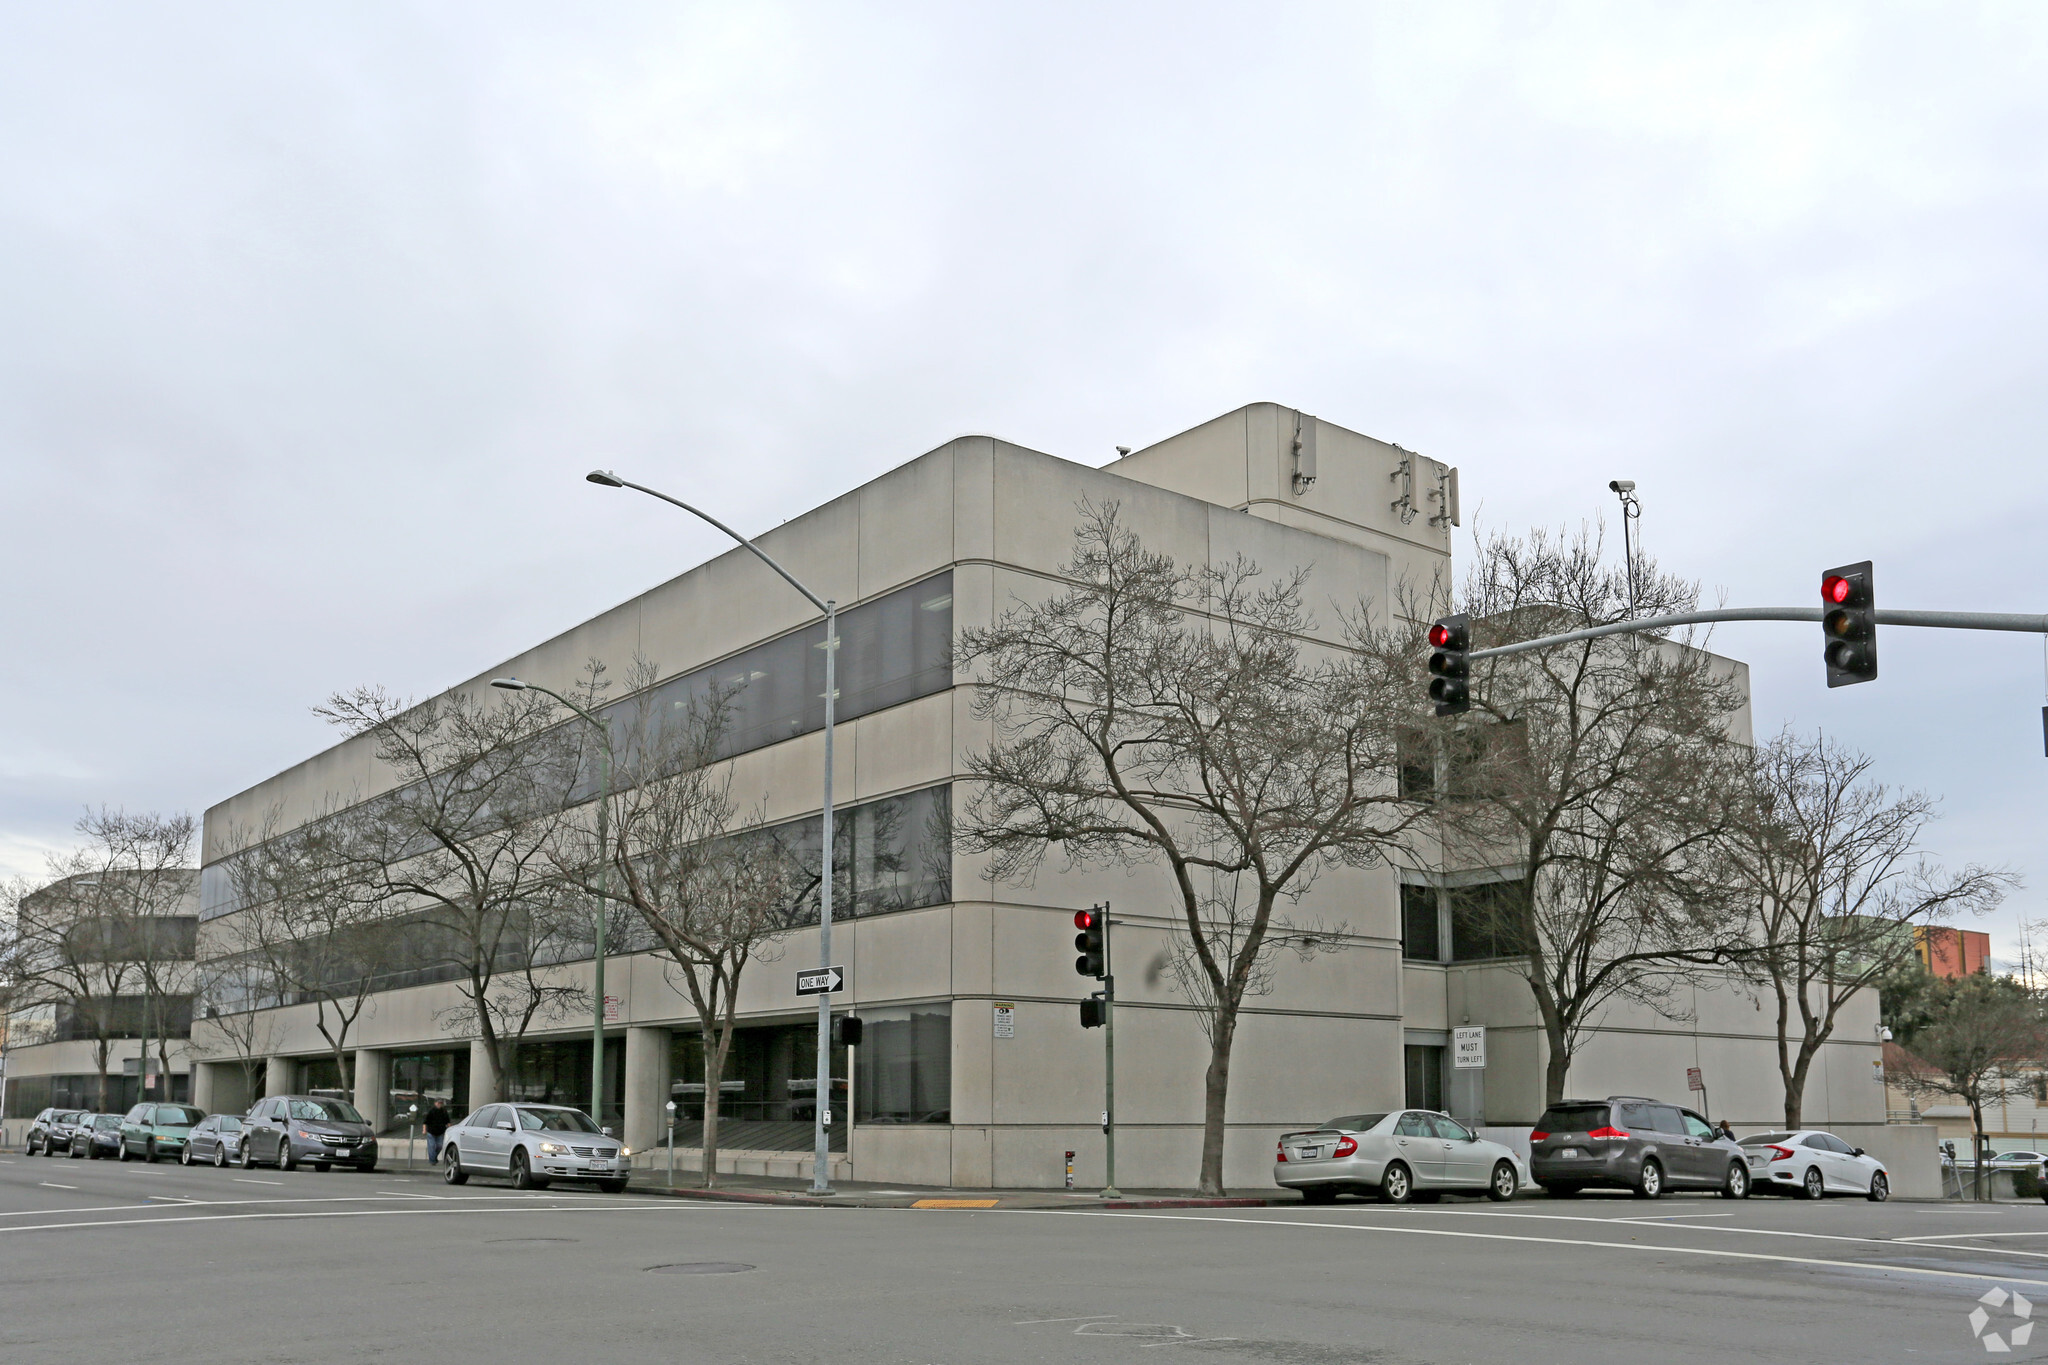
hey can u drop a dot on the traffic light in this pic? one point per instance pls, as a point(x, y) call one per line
point(846, 1031)
point(1088, 943)
point(1849, 624)
point(1092, 1010)
point(1450, 640)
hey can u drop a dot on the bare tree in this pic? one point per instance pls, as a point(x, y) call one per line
point(1155, 713)
point(460, 848)
point(311, 924)
point(1598, 776)
point(236, 993)
point(1976, 1035)
point(1833, 864)
point(715, 897)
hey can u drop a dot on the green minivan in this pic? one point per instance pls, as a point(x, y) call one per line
point(152, 1130)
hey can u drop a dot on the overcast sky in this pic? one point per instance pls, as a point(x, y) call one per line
point(315, 316)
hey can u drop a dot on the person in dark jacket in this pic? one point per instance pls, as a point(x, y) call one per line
point(436, 1124)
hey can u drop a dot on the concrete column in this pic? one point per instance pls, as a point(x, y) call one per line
point(373, 1086)
point(277, 1076)
point(647, 1052)
point(202, 1085)
point(483, 1074)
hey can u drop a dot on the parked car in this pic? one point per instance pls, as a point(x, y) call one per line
point(1407, 1154)
point(287, 1130)
point(216, 1138)
point(50, 1132)
point(152, 1130)
point(98, 1135)
point(1813, 1164)
point(1631, 1143)
point(535, 1144)
point(2011, 1159)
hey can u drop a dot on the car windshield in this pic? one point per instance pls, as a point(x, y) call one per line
point(230, 1125)
point(177, 1115)
point(1765, 1139)
point(1355, 1123)
point(557, 1120)
point(335, 1111)
point(106, 1121)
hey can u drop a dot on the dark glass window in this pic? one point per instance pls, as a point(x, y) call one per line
point(123, 1016)
point(767, 1097)
point(904, 1073)
point(558, 1072)
point(1421, 939)
point(1425, 1075)
point(1415, 755)
point(1488, 921)
point(894, 649)
point(420, 1078)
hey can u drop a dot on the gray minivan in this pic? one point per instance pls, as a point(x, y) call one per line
point(287, 1130)
point(1630, 1143)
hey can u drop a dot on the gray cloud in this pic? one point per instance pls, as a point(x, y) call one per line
point(316, 316)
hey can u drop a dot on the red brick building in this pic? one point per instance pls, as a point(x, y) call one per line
point(1951, 952)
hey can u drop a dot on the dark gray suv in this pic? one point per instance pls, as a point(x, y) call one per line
point(290, 1130)
point(1629, 1143)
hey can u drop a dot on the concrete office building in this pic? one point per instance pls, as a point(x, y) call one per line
point(938, 1094)
point(92, 990)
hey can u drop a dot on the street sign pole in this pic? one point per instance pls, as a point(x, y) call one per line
point(1109, 1190)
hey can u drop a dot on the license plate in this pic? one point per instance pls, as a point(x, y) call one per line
point(1305, 1153)
point(1569, 1151)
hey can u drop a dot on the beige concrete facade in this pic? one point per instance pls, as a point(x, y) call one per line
point(1328, 1039)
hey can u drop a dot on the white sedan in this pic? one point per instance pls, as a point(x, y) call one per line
point(1813, 1165)
point(1409, 1154)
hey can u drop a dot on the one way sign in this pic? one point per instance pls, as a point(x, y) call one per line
point(820, 981)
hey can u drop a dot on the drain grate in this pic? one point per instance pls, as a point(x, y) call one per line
point(700, 1268)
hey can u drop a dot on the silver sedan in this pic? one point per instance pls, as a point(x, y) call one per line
point(1409, 1154)
point(535, 1144)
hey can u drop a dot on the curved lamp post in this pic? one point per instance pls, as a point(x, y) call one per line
point(604, 803)
point(821, 1168)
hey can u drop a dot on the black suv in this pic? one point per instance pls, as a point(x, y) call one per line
point(51, 1131)
point(1626, 1142)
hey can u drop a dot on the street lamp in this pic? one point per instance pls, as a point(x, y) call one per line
point(821, 1169)
point(604, 801)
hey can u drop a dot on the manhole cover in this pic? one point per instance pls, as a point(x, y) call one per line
point(510, 1241)
point(700, 1268)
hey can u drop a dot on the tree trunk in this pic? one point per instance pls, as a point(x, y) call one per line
point(1555, 1068)
point(1977, 1162)
point(714, 1073)
point(1795, 1081)
point(1215, 1093)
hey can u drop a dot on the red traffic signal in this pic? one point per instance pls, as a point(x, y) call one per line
point(1439, 635)
point(1449, 671)
point(1092, 942)
point(1848, 624)
point(1084, 919)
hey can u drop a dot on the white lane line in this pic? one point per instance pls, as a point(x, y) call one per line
point(1950, 1236)
point(232, 1203)
point(1867, 1267)
point(411, 1211)
point(245, 1180)
point(1652, 1220)
point(53, 1185)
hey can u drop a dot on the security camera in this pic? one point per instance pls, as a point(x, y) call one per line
point(1622, 485)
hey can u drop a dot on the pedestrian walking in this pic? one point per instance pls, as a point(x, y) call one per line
point(1727, 1130)
point(436, 1124)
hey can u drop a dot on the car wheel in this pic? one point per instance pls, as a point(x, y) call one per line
point(1562, 1191)
point(1505, 1182)
point(124, 1149)
point(220, 1156)
point(1318, 1194)
point(1813, 1186)
point(1881, 1189)
point(522, 1172)
point(149, 1150)
point(1736, 1186)
point(248, 1158)
point(77, 1151)
point(451, 1168)
point(287, 1159)
point(30, 1148)
point(1650, 1184)
point(612, 1186)
point(49, 1150)
point(1397, 1186)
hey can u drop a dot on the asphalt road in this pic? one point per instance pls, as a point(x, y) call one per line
point(135, 1263)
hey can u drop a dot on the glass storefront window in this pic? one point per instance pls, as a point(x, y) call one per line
point(420, 1078)
point(558, 1072)
point(904, 1073)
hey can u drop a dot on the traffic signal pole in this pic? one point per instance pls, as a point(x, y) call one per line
point(1109, 1190)
point(1945, 620)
